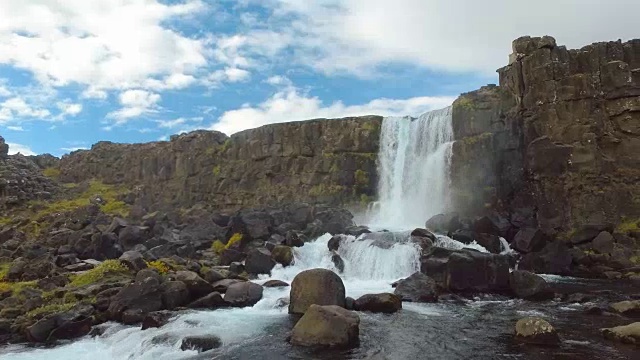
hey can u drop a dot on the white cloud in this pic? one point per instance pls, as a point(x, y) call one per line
point(356, 36)
point(290, 105)
point(72, 149)
point(93, 93)
point(279, 80)
point(19, 148)
point(4, 92)
point(135, 103)
point(16, 108)
point(69, 108)
point(169, 124)
point(229, 74)
point(102, 44)
point(15, 128)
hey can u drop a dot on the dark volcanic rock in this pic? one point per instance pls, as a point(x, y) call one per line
point(529, 286)
point(379, 303)
point(334, 242)
point(259, 261)
point(275, 283)
point(243, 294)
point(555, 258)
point(315, 286)
point(133, 260)
point(200, 343)
point(327, 326)
point(294, 239)
point(417, 288)
point(71, 324)
point(282, 255)
point(529, 240)
point(145, 297)
point(536, 331)
point(337, 262)
point(155, 320)
point(175, 294)
point(444, 223)
point(211, 301)
point(197, 286)
point(467, 270)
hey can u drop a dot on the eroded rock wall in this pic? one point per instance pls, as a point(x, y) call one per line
point(560, 135)
point(330, 161)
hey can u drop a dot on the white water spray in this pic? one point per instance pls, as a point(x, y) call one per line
point(414, 160)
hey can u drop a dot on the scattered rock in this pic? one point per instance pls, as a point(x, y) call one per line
point(349, 303)
point(155, 320)
point(316, 286)
point(201, 343)
point(211, 301)
point(628, 334)
point(259, 261)
point(603, 243)
point(175, 294)
point(327, 326)
point(417, 288)
point(243, 294)
point(444, 223)
point(275, 283)
point(529, 286)
point(490, 242)
point(379, 303)
point(337, 262)
point(536, 331)
point(62, 326)
point(197, 286)
point(148, 273)
point(627, 308)
point(293, 239)
point(334, 242)
point(222, 285)
point(529, 240)
point(357, 230)
point(211, 276)
point(282, 254)
point(145, 296)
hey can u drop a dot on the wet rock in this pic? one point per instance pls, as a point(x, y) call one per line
point(489, 241)
point(327, 326)
point(282, 255)
point(578, 298)
point(145, 296)
point(629, 308)
point(316, 286)
point(222, 285)
point(494, 225)
point(201, 343)
point(259, 261)
point(529, 240)
point(337, 262)
point(229, 256)
point(70, 324)
point(628, 334)
point(417, 288)
point(334, 220)
point(529, 286)
point(463, 236)
point(236, 268)
point(211, 301)
point(357, 230)
point(243, 294)
point(349, 303)
point(294, 239)
point(197, 286)
point(130, 236)
point(133, 260)
point(536, 331)
point(555, 258)
point(334, 242)
point(423, 233)
point(155, 320)
point(444, 223)
point(587, 233)
point(379, 303)
point(467, 270)
point(175, 294)
point(275, 283)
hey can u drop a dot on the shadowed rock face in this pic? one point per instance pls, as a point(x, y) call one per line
point(331, 161)
point(561, 134)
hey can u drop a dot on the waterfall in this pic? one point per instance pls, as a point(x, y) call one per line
point(414, 159)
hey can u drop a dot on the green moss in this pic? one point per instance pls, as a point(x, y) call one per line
point(17, 287)
point(107, 269)
point(464, 103)
point(216, 170)
point(225, 145)
point(628, 226)
point(370, 126)
point(471, 140)
point(160, 266)
point(116, 208)
point(635, 259)
point(4, 270)
point(51, 172)
point(362, 178)
point(366, 199)
point(50, 309)
point(218, 247)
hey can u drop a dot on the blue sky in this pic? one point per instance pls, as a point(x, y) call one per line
point(74, 72)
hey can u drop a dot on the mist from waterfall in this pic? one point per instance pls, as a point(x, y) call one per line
point(414, 160)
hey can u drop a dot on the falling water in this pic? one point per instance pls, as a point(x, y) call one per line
point(414, 160)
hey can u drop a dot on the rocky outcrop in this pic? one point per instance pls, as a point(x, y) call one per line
point(629, 334)
point(417, 288)
point(536, 331)
point(313, 161)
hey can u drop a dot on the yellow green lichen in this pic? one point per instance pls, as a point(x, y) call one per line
point(109, 268)
point(216, 170)
point(159, 266)
point(50, 309)
point(218, 247)
point(51, 172)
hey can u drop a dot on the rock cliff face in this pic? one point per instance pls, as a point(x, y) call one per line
point(560, 136)
point(329, 161)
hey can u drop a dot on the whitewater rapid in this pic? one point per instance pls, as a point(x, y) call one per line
point(368, 269)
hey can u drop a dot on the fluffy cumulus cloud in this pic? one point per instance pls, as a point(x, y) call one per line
point(135, 103)
point(291, 104)
point(20, 149)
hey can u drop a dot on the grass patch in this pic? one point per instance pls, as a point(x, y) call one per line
point(159, 266)
point(4, 270)
point(50, 309)
point(107, 269)
point(218, 247)
point(628, 226)
point(17, 287)
point(51, 172)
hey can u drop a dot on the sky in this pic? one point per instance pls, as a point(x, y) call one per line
point(75, 72)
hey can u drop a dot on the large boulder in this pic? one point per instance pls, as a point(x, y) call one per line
point(133, 260)
point(253, 224)
point(490, 242)
point(417, 288)
point(66, 325)
point(529, 240)
point(197, 286)
point(315, 286)
point(211, 301)
point(130, 236)
point(222, 285)
point(327, 326)
point(282, 254)
point(629, 308)
point(536, 331)
point(294, 239)
point(529, 286)
point(200, 343)
point(243, 294)
point(334, 220)
point(143, 297)
point(259, 261)
point(629, 334)
point(444, 223)
point(175, 294)
point(467, 270)
point(555, 258)
point(603, 243)
point(229, 256)
point(379, 303)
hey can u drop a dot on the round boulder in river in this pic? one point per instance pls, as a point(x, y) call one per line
point(327, 326)
point(379, 303)
point(536, 331)
point(316, 286)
